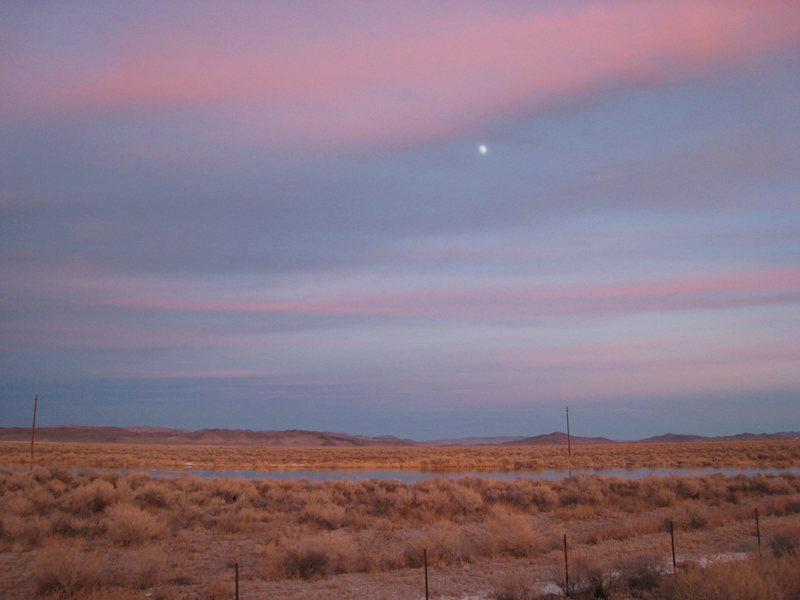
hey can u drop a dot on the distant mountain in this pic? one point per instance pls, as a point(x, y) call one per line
point(683, 437)
point(73, 433)
point(558, 438)
point(676, 437)
point(156, 430)
point(381, 440)
point(300, 437)
point(208, 437)
point(474, 441)
point(783, 435)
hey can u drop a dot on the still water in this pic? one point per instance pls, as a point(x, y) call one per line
point(414, 476)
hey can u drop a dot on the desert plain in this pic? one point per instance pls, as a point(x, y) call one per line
point(88, 521)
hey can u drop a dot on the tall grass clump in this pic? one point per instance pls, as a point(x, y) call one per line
point(145, 567)
point(64, 571)
point(786, 542)
point(126, 525)
point(775, 579)
point(91, 498)
point(313, 557)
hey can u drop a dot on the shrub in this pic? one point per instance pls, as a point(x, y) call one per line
point(694, 515)
point(28, 531)
point(318, 556)
point(17, 504)
point(608, 531)
point(642, 572)
point(582, 489)
point(231, 490)
point(219, 588)
point(153, 495)
point(779, 486)
point(146, 567)
point(513, 535)
point(445, 542)
point(93, 497)
point(324, 515)
point(742, 580)
point(658, 494)
point(65, 524)
point(64, 570)
point(126, 524)
point(783, 505)
point(516, 586)
point(787, 541)
point(239, 521)
point(543, 496)
point(688, 487)
point(305, 561)
point(587, 576)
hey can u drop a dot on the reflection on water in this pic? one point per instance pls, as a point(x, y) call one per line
point(414, 476)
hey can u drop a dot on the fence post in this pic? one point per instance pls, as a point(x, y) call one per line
point(236, 570)
point(425, 562)
point(33, 424)
point(758, 533)
point(566, 568)
point(672, 540)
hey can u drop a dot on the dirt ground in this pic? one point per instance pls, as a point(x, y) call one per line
point(201, 566)
point(480, 581)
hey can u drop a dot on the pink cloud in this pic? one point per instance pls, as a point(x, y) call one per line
point(423, 75)
point(659, 354)
point(29, 335)
point(205, 374)
point(642, 383)
point(749, 288)
point(646, 369)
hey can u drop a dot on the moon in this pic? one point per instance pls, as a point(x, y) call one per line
point(483, 149)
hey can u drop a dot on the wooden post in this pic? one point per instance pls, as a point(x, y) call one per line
point(236, 570)
point(758, 533)
point(672, 539)
point(425, 562)
point(566, 568)
point(569, 441)
point(33, 425)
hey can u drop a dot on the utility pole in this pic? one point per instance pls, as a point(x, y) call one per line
point(33, 425)
point(569, 442)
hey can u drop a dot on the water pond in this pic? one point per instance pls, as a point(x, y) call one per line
point(415, 476)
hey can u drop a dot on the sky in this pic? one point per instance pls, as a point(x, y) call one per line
point(276, 215)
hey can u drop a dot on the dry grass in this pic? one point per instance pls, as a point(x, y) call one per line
point(133, 531)
point(755, 453)
point(786, 542)
point(65, 570)
point(126, 524)
point(519, 586)
point(146, 567)
point(775, 579)
point(645, 577)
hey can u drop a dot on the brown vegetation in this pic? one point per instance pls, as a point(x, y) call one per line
point(64, 569)
point(744, 580)
point(754, 453)
point(646, 578)
point(180, 535)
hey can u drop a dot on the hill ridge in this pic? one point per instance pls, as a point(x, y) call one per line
point(302, 437)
